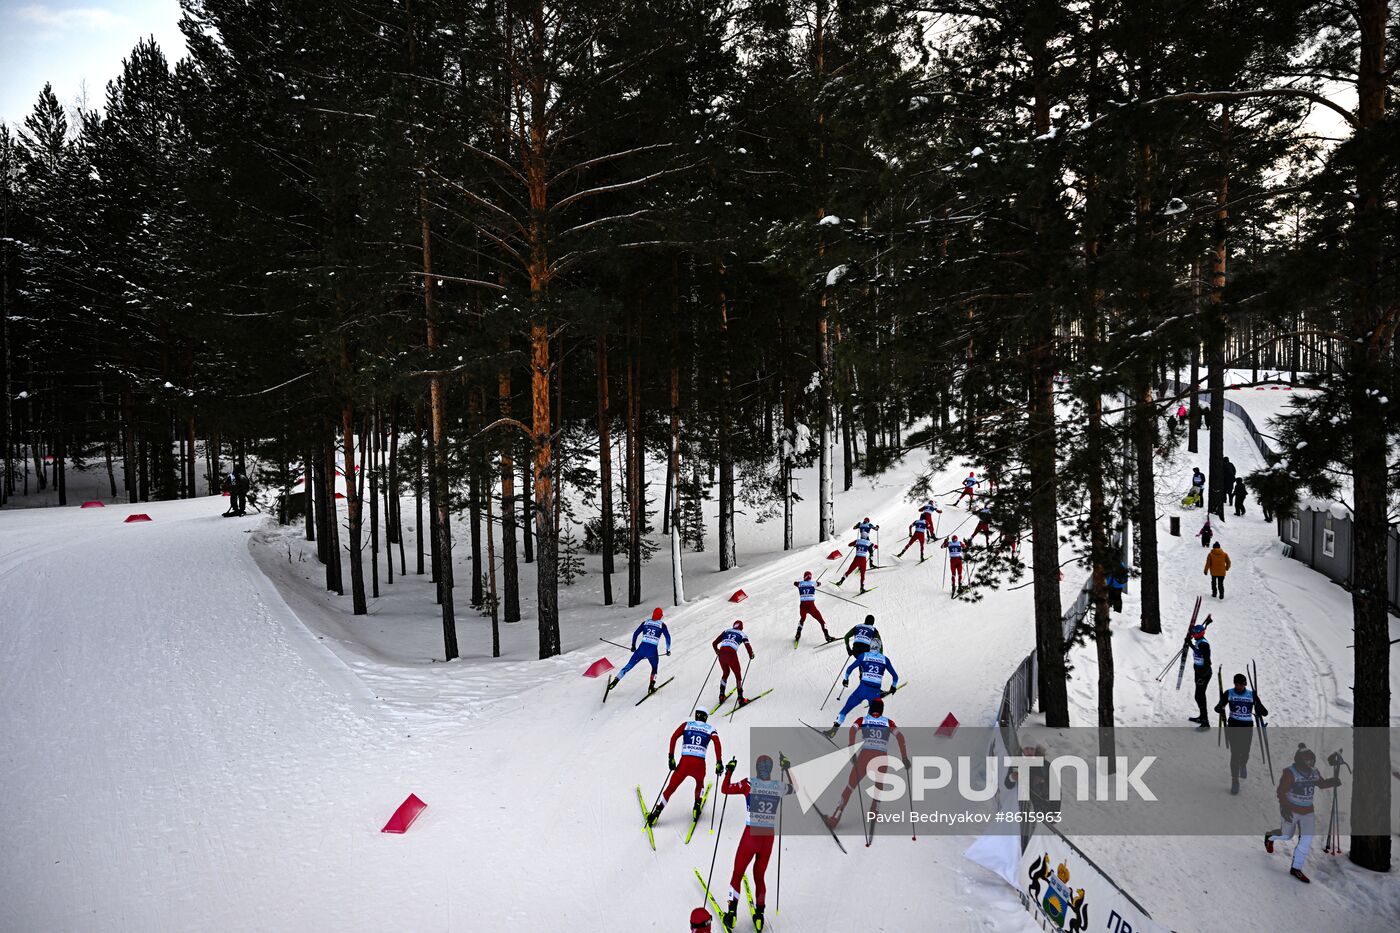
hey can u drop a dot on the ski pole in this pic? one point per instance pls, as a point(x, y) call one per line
point(1175, 658)
point(623, 647)
point(778, 894)
point(846, 599)
point(833, 684)
point(909, 799)
point(723, 806)
point(696, 704)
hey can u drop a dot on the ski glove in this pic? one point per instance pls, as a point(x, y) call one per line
point(845, 683)
point(671, 762)
point(719, 768)
point(733, 763)
point(783, 761)
point(668, 652)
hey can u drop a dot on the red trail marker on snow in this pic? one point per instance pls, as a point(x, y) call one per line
point(949, 725)
point(834, 555)
point(138, 517)
point(598, 668)
point(405, 815)
point(739, 596)
point(92, 504)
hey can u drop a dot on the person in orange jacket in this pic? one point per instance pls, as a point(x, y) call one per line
point(1217, 565)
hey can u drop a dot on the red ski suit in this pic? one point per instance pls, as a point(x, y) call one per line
point(866, 757)
point(690, 766)
point(755, 845)
point(729, 662)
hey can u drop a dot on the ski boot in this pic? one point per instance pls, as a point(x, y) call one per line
point(828, 636)
point(797, 637)
point(655, 813)
point(651, 685)
point(831, 733)
point(1269, 843)
point(742, 701)
point(758, 917)
point(1298, 873)
point(613, 681)
point(695, 811)
point(1234, 785)
point(1198, 720)
point(722, 694)
point(730, 914)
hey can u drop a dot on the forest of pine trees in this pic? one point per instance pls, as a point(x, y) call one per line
point(467, 246)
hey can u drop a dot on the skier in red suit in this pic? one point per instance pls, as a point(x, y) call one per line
point(764, 796)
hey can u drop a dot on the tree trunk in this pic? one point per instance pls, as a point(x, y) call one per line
point(330, 534)
point(546, 539)
point(509, 571)
point(353, 510)
point(372, 468)
point(1145, 446)
point(727, 551)
point(420, 440)
point(636, 463)
point(527, 511)
point(437, 405)
point(1218, 327)
point(1370, 379)
point(1194, 409)
point(605, 517)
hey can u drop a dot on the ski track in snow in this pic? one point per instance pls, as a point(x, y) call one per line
point(189, 746)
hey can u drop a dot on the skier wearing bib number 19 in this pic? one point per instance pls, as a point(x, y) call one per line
point(764, 796)
point(697, 735)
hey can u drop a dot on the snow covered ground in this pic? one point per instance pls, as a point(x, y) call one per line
point(191, 743)
point(196, 736)
point(1297, 625)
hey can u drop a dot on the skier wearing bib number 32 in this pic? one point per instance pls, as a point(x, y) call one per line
point(697, 735)
point(764, 796)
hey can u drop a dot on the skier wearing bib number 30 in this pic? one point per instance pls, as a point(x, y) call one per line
point(697, 735)
point(764, 796)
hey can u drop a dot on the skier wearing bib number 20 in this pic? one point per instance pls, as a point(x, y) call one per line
point(764, 796)
point(872, 667)
point(695, 737)
point(646, 641)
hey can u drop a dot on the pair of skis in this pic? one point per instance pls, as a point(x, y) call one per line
point(719, 912)
point(694, 821)
point(650, 690)
point(1253, 671)
point(1181, 668)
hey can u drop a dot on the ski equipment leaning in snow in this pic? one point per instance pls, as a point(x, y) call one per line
point(1242, 706)
point(726, 646)
point(807, 606)
point(764, 797)
point(645, 646)
point(1296, 787)
point(872, 666)
point(696, 736)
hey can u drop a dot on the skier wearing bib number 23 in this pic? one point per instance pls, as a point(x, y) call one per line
point(764, 796)
point(695, 736)
point(872, 666)
point(646, 641)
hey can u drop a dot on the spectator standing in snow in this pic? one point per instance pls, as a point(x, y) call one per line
point(1117, 586)
point(1217, 565)
point(1238, 495)
point(1227, 470)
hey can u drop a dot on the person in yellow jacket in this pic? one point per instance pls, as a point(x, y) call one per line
point(1217, 565)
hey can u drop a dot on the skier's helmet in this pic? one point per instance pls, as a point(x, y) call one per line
point(1304, 757)
point(702, 715)
point(870, 618)
point(1241, 680)
point(807, 575)
point(1198, 631)
point(739, 624)
point(955, 537)
point(656, 614)
point(763, 767)
point(877, 707)
point(700, 919)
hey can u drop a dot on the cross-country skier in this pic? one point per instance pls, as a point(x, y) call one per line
point(1217, 565)
point(807, 605)
point(872, 667)
point(918, 531)
point(984, 525)
point(697, 735)
point(864, 549)
point(929, 510)
point(726, 645)
point(875, 731)
point(763, 797)
point(1296, 786)
point(955, 560)
point(864, 527)
point(969, 486)
point(1239, 732)
point(861, 638)
point(1200, 660)
point(645, 643)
